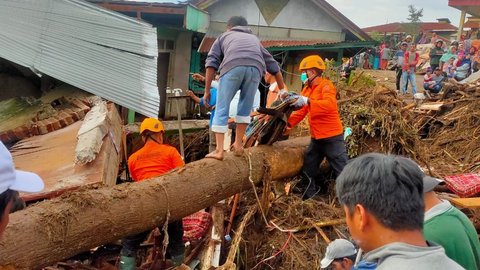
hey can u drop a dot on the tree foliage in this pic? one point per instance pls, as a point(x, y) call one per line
point(414, 14)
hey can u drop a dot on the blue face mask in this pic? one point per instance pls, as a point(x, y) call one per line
point(304, 77)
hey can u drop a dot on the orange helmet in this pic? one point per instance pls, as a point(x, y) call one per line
point(312, 61)
point(152, 124)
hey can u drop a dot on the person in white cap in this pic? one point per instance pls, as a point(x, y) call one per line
point(341, 255)
point(11, 182)
point(450, 228)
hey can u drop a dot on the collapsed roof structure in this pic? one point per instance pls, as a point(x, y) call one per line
point(100, 51)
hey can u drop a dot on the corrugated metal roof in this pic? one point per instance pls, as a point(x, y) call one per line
point(267, 42)
point(207, 43)
point(403, 27)
point(99, 51)
point(472, 23)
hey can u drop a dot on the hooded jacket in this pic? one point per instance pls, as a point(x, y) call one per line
point(401, 256)
point(239, 47)
point(447, 56)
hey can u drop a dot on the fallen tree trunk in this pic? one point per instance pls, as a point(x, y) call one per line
point(60, 228)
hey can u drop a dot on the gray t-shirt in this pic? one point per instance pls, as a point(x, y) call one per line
point(401, 256)
point(239, 47)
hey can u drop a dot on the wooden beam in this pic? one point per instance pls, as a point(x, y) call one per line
point(187, 125)
point(144, 9)
point(57, 229)
point(466, 202)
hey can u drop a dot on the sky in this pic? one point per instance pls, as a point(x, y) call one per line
point(367, 13)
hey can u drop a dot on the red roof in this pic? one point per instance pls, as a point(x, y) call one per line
point(463, 3)
point(472, 24)
point(470, 6)
point(267, 43)
point(403, 27)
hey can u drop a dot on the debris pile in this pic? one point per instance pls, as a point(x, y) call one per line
point(295, 237)
point(378, 118)
point(450, 129)
point(381, 120)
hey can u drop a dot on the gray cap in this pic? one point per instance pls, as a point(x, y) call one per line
point(429, 183)
point(339, 248)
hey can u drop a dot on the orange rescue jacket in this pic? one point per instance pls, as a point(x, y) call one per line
point(152, 160)
point(322, 110)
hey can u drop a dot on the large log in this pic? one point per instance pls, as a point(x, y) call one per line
point(53, 230)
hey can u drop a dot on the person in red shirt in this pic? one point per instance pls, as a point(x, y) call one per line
point(318, 101)
point(409, 68)
point(152, 160)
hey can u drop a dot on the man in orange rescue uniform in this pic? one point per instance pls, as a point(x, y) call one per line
point(318, 101)
point(152, 160)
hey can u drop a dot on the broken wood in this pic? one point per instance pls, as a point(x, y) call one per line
point(408, 107)
point(171, 127)
point(91, 134)
point(321, 232)
point(52, 157)
point(232, 253)
point(54, 230)
point(430, 106)
point(211, 254)
point(321, 224)
point(466, 202)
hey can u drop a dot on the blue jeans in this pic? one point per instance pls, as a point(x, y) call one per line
point(435, 89)
point(246, 79)
point(411, 77)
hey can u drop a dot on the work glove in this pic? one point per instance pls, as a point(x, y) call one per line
point(283, 94)
point(296, 101)
point(301, 101)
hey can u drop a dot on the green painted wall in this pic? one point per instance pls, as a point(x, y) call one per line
point(196, 20)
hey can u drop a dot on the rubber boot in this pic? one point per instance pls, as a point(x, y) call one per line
point(178, 259)
point(127, 263)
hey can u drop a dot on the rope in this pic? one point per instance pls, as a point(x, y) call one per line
point(165, 224)
point(250, 178)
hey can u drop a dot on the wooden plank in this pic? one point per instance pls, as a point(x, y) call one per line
point(172, 126)
point(52, 157)
point(430, 106)
point(148, 8)
point(112, 151)
point(466, 202)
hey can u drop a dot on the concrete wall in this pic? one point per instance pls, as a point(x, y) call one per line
point(181, 61)
point(297, 14)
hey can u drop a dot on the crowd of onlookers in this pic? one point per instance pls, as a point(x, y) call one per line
point(448, 60)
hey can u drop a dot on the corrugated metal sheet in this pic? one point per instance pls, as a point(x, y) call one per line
point(267, 42)
point(99, 51)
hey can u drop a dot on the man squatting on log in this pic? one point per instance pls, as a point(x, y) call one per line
point(152, 160)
